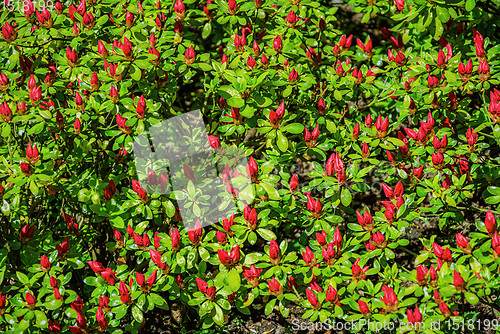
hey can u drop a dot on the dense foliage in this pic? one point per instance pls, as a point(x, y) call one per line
point(372, 142)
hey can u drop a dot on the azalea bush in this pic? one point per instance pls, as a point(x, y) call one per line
point(368, 189)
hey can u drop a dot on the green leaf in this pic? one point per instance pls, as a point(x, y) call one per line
point(439, 29)
point(252, 258)
point(287, 91)
point(6, 131)
point(22, 278)
point(24, 324)
point(471, 298)
point(282, 141)
point(469, 5)
point(442, 14)
point(227, 92)
point(365, 18)
point(451, 202)
point(338, 95)
point(266, 234)
point(293, 128)
point(271, 191)
point(156, 299)
point(170, 208)
point(236, 102)
point(41, 319)
point(207, 30)
point(421, 258)
point(396, 141)
point(3, 256)
point(493, 200)
point(247, 193)
point(408, 301)
point(494, 190)
point(143, 63)
point(252, 238)
point(91, 280)
point(120, 311)
point(137, 313)
point(204, 66)
point(33, 187)
point(66, 278)
point(270, 306)
point(234, 280)
point(53, 304)
point(218, 316)
point(346, 196)
point(308, 314)
point(45, 114)
point(135, 73)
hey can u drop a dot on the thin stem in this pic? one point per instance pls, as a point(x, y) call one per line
point(477, 209)
point(408, 251)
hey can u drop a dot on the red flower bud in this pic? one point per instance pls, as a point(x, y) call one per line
point(252, 168)
point(277, 43)
point(26, 233)
point(53, 283)
point(463, 243)
point(189, 173)
point(294, 182)
point(72, 57)
point(97, 267)
point(179, 9)
point(156, 258)
point(139, 278)
point(57, 294)
point(30, 300)
point(44, 262)
point(252, 275)
point(9, 33)
point(274, 252)
point(101, 319)
point(312, 299)
point(214, 141)
point(275, 287)
point(309, 257)
point(233, 7)
point(458, 281)
point(109, 276)
point(421, 274)
point(490, 222)
point(32, 153)
point(54, 327)
point(88, 20)
point(175, 237)
point(202, 285)
point(363, 307)
point(152, 278)
point(77, 126)
point(35, 94)
point(390, 299)
point(196, 235)
point(365, 150)
point(444, 309)
point(189, 55)
point(293, 76)
point(414, 317)
point(124, 293)
point(25, 168)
